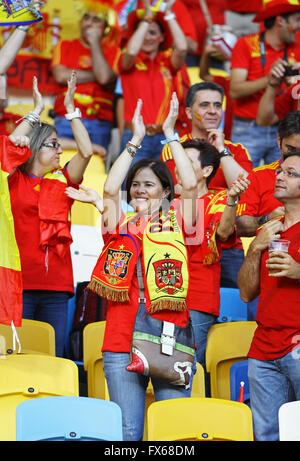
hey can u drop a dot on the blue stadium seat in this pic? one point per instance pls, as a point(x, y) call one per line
point(68, 418)
point(232, 308)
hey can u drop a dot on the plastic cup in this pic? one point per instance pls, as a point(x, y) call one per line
point(279, 245)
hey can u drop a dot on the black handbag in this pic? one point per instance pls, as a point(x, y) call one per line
point(161, 349)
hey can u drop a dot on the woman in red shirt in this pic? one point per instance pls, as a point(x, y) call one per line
point(41, 213)
point(154, 233)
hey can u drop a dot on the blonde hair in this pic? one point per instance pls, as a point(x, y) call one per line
point(102, 10)
point(38, 135)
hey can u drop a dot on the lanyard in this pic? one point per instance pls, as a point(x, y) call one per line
point(263, 51)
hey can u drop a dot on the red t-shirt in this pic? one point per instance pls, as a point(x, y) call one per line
point(278, 308)
point(204, 286)
point(287, 102)
point(258, 199)
point(24, 194)
point(152, 81)
point(239, 153)
point(120, 316)
point(243, 6)
point(246, 55)
point(8, 123)
point(93, 100)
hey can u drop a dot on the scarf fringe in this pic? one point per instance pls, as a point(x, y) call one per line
point(167, 304)
point(108, 293)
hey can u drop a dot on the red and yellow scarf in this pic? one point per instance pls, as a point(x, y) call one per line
point(160, 244)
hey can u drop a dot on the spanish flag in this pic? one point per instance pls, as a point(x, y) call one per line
point(11, 304)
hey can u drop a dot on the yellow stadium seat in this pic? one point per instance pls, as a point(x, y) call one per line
point(227, 343)
point(94, 177)
point(198, 390)
point(35, 337)
point(93, 335)
point(199, 419)
point(27, 376)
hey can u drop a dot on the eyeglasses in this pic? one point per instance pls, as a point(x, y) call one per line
point(52, 144)
point(288, 173)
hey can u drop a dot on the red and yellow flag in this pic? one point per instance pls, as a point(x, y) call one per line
point(11, 304)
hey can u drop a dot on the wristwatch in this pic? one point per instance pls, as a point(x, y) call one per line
point(234, 203)
point(75, 114)
point(225, 153)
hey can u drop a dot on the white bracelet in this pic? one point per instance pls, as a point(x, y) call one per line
point(168, 17)
point(75, 114)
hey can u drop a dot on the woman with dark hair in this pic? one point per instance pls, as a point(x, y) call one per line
point(41, 212)
point(153, 234)
point(155, 50)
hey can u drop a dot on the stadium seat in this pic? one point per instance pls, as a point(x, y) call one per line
point(232, 308)
point(199, 419)
point(67, 419)
point(289, 422)
point(227, 343)
point(30, 376)
point(35, 337)
point(93, 335)
point(238, 375)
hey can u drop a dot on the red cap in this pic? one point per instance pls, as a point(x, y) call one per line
point(274, 8)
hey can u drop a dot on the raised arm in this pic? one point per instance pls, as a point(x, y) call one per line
point(119, 170)
point(184, 166)
point(25, 126)
point(102, 70)
point(227, 222)
point(136, 40)
point(79, 162)
point(230, 167)
point(180, 45)
point(13, 44)
point(266, 110)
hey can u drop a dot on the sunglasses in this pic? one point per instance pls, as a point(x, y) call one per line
point(52, 144)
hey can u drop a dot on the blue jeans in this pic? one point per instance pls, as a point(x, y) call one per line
point(151, 145)
point(202, 322)
point(272, 383)
point(260, 141)
point(128, 390)
point(50, 307)
point(231, 262)
point(98, 130)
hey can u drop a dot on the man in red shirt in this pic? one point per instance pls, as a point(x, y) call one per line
point(273, 364)
point(92, 56)
point(217, 209)
point(258, 204)
point(252, 59)
point(204, 109)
